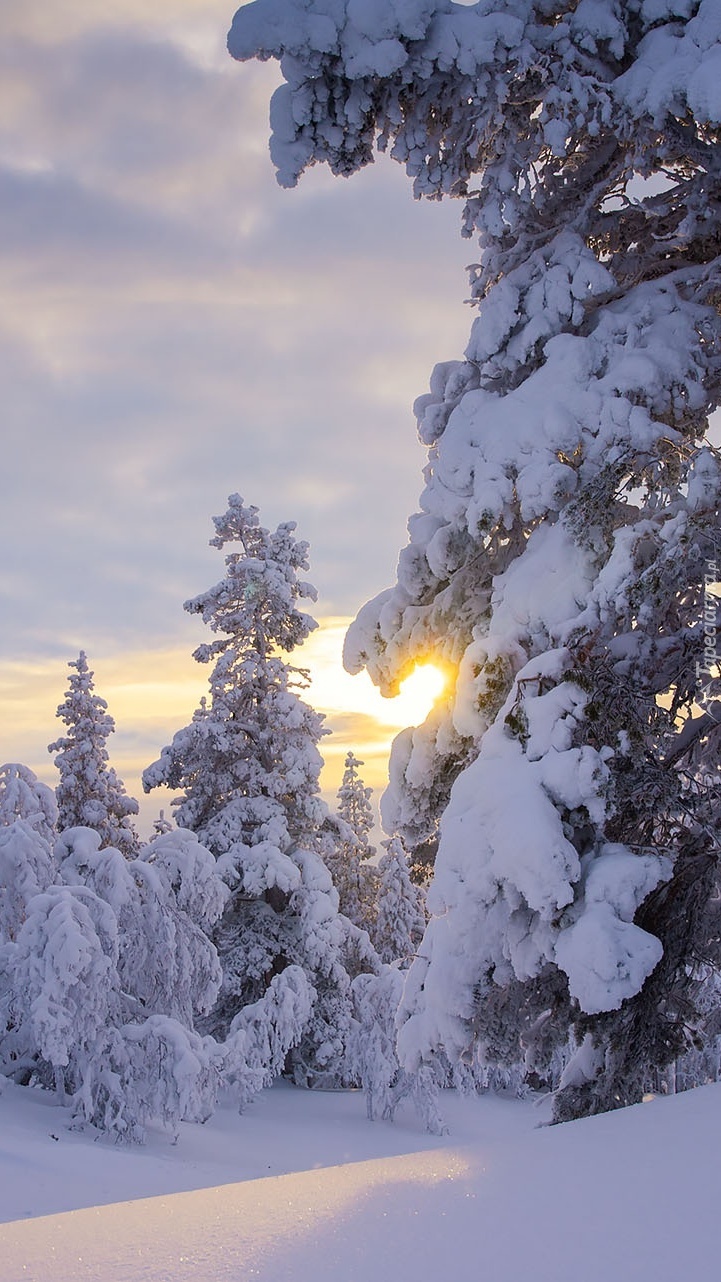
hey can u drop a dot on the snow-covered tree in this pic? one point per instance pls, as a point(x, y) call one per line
point(64, 972)
point(372, 1059)
point(165, 958)
point(23, 796)
point(372, 1046)
point(567, 533)
point(90, 793)
point(400, 920)
point(104, 968)
point(250, 753)
point(26, 868)
point(116, 1062)
point(347, 857)
point(248, 765)
point(261, 1035)
point(354, 804)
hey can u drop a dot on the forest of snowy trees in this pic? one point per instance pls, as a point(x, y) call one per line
point(561, 567)
point(138, 979)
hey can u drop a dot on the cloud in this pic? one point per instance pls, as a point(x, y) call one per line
point(185, 21)
point(176, 328)
point(54, 228)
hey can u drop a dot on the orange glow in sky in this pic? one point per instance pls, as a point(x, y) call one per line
point(151, 694)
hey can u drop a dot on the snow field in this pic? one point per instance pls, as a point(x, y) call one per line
point(624, 1197)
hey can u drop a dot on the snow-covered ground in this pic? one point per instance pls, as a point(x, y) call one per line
point(304, 1189)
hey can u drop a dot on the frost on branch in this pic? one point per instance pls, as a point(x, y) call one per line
point(570, 513)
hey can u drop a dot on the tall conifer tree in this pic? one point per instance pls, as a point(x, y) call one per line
point(248, 766)
point(568, 525)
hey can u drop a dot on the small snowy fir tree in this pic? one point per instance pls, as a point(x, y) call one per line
point(566, 541)
point(347, 858)
point(248, 765)
point(400, 920)
point(90, 793)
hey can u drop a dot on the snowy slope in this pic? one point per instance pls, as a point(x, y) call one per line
point(626, 1197)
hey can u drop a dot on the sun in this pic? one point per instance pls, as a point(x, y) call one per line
point(418, 693)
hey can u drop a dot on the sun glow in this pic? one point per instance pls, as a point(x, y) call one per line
point(418, 693)
point(151, 694)
point(336, 693)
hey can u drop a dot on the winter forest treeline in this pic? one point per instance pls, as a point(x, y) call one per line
point(253, 937)
point(562, 567)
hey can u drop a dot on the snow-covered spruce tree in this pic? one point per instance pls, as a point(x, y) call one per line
point(354, 804)
point(90, 793)
point(165, 903)
point(400, 920)
point(248, 765)
point(570, 511)
point(347, 858)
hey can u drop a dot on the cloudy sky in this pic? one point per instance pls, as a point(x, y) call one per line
point(175, 327)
